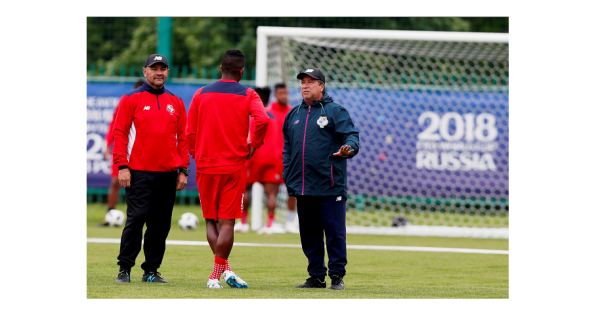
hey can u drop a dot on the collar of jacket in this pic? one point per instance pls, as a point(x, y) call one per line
point(149, 89)
point(326, 99)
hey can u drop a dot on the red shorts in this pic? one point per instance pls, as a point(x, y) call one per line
point(222, 195)
point(264, 173)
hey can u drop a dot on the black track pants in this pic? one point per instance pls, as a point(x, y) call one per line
point(150, 200)
point(318, 214)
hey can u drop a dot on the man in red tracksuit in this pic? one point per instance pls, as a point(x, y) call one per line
point(217, 131)
point(149, 148)
point(114, 189)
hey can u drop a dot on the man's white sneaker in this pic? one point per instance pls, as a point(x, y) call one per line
point(290, 227)
point(233, 280)
point(242, 228)
point(265, 231)
point(214, 283)
point(277, 228)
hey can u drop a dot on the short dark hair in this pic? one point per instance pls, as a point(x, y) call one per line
point(280, 86)
point(138, 83)
point(264, 93)
point(233, 61)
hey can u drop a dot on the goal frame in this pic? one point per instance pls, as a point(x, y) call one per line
point(264, 32)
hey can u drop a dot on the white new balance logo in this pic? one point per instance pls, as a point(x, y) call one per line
point(158, 58)
point(339, 198)
point(309, 70)
point(147, 108)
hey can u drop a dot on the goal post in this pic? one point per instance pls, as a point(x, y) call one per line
point(432, 112)
point(263, 33)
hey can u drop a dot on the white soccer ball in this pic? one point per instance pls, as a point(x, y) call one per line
point(188, 221)
point(115, 217)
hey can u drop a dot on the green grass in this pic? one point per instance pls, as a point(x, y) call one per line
point(273, 272)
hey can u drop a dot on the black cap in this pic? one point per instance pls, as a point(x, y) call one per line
point(156, 58)
point(314, 73)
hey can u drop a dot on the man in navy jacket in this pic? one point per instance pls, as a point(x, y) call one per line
point(319, 136)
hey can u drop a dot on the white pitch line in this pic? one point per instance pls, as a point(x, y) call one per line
point(353, 247)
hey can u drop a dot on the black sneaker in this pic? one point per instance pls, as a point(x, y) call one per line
point(337, 283)
point(123, 276)
point(314, 282)
point(153, 277)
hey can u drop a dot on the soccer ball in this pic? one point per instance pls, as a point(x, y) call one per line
point(114, 217)
point(188, 221)
point(400, 221)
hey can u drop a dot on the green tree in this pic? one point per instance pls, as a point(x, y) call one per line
point(143, 43)
point(199, 42)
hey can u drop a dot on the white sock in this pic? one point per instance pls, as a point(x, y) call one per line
point(291, 216)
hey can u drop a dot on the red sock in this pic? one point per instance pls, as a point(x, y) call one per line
point(218, 268)
point(244, 218)
point(271, 218)
point(226, 264)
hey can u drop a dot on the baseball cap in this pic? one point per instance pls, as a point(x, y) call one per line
point(156, 58)
point(312, 72)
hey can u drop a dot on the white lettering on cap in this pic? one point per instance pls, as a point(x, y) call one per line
point(309, 70)
point(158, 58)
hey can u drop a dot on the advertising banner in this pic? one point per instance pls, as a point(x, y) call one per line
point(428, 143)
point(413, 143)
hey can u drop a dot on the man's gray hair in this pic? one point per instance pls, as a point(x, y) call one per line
point(321, 83)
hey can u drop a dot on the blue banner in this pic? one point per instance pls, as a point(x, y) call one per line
point(413, 143)
point(427, 143)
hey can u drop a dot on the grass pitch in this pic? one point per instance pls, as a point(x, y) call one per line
point(273, 273)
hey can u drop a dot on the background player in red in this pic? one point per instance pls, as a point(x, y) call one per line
point(266, 167)
point(217, 136)
point(114, 189)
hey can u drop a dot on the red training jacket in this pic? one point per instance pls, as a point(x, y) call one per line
point(217, 127)
point(149, 131)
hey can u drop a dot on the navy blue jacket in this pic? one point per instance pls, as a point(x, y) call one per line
point(309, 167)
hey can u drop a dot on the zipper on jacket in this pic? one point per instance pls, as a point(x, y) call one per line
point(332, 175)
point(157, 102)
point(303, 148)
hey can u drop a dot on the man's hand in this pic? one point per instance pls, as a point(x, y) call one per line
point(106, 153)
point(344, 151)
point(125, 177)
point(251, 151)
point(181, 181)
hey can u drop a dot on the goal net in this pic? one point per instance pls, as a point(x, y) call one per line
point(432, 112)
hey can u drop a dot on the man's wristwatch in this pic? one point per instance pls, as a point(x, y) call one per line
point(185, 171)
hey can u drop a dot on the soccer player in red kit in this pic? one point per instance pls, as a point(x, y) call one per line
point(217, 132)
point(266, 166)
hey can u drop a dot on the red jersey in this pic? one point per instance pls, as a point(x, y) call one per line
point(217, 127)
point(280, 112)
point(149, 131)
point(272, 151)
